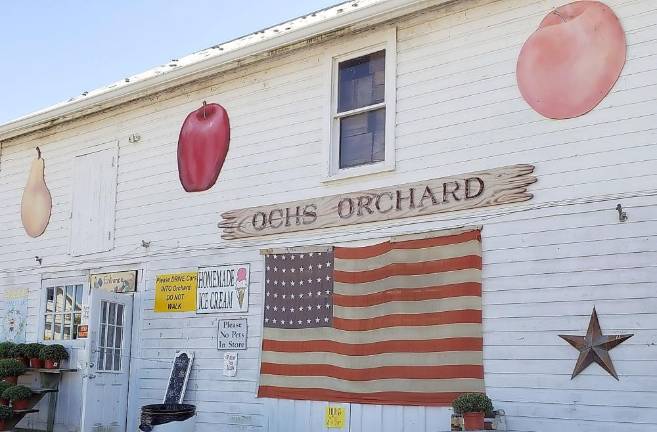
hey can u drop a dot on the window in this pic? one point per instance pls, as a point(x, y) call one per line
point(110, 342)
point(63, 312)
point(363, 107)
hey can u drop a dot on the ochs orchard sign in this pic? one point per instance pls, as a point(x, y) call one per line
point(480, 189)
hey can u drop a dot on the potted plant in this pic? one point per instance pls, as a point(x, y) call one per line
point(10, 369)
point(20, 354)
point(53, 355)
point(4, 386)
point(32, 352)
point(473, 407)
point(7, 349)
point(19, 396)
point(5, 414)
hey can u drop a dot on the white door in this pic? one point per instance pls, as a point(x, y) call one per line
point(106, 376)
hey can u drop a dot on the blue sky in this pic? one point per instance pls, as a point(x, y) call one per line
point(53, 50)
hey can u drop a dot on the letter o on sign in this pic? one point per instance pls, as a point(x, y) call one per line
point(341, 206)
point(259, 221)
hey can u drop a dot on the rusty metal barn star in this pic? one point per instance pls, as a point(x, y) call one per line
point(595, 347)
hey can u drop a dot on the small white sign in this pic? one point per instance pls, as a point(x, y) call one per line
point(232, 334)
point(230, 364)
point(223, 289)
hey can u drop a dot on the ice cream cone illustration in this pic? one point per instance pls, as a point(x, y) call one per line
point(242, 284)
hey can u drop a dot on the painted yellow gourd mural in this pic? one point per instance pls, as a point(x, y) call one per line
point(37, 202)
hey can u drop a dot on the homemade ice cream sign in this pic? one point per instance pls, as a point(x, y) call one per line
point(479, 189)
point(223, 289)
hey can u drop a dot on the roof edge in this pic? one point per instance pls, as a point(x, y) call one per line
point(112, 96)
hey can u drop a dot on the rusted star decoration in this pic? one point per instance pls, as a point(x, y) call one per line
point(595, 347)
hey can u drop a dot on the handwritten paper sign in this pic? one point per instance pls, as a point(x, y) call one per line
point(232, 334)
point(223, 289)
point(175, 292)
point(120, 282)
point(230, 364)
point(15, 320)
point(335, 417)
point(474, 190)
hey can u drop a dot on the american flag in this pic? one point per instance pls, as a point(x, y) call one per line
point(394, 323)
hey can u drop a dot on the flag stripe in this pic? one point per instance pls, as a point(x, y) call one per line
point(391, 346)
point(407, 307)
point(408, 294)
point(409, 256)
point(409, 281)
point(376, 373)
point(381, 398)
point(376, 360)
point(380, 385)
point(425, 319)
point(378, 335)
point(405, 269)
point(382, 248)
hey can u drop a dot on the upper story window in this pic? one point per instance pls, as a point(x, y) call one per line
point(362, 120)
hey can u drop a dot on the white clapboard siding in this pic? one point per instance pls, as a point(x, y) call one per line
point(547, 262)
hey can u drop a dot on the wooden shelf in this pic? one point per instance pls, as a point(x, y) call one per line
point(52, 371)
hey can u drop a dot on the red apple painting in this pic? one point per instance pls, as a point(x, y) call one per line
point(568, 66)
point(202, 147)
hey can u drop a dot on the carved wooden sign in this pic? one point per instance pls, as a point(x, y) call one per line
point(479, 189)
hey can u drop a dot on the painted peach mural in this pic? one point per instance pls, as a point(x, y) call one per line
point(568, 66)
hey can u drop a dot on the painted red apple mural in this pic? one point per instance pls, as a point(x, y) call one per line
point(202, 147)
point(568, 66)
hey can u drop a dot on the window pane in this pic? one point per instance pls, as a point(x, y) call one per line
point(103, 308)
point(119, 314)
point(50, 300)
point(78, 297)
point(108, 358)
point(77, 319)
point(361, 81)
point(119, 337)
point(59, 299)
point(47, 330)
point(117, 360)
point(362, 138)
point(101, 340)
point(110, 336)
point(112, 313)
point(68, 323)
point(69, 298)
point(57, 329)
point(101, 358)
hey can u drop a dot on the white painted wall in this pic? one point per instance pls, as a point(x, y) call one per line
point(546, 262)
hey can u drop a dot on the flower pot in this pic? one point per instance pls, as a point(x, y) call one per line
point(473, 421)
point(52, 364)
point(4, 402)
point(3, 426)
point(22, 404)
point(36, 363)
point(10, 379)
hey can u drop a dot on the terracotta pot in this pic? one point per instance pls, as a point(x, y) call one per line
point(473, 421)
point(36, 363)
point(11, 380)
point(52, 364)
point(22, 404)
point(3, 426)
point(4, 402)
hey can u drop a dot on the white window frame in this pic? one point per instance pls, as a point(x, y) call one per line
point(48, 283)
point(359, 46)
